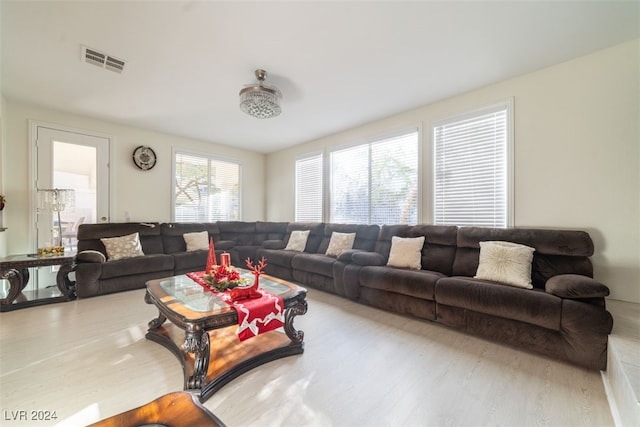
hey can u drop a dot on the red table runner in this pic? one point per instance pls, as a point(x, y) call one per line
point(255, 316)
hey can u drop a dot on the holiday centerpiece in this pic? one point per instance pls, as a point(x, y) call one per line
point(223, 277)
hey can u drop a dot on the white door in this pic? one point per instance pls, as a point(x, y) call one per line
point(71, 160)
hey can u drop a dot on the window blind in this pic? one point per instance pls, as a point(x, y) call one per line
point(470, 157)
point(376, 183)
point(308, 191)
point(206, 189)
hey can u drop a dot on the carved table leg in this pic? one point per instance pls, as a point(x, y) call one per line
point(197, 342)
point(66, 285)
point(158, 321)
point(17, 283)
point(299, 308)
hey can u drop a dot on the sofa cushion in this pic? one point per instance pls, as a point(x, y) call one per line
point(367, 258)
point(505, 262)
point(240, 253)
point(438, 251)
point(138, 265)
point(279, 257)
point(366, 236)
point(173, 234)
point(314, 263)
point(127, 246)
point(557, 251)
point(196, 241)
point(224, 245)
point(242, 233)
point(269, 231)
point(406, 252)
point(273, 244)
point(89, 235)
point(339, 243)
point(530, 306)
point(190, 261)
point(415, 283)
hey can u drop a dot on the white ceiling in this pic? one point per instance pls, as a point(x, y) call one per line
point(338, 64)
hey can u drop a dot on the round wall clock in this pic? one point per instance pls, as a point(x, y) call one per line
point(144, 157)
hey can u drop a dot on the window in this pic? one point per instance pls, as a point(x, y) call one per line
point(206, 189)
point(309, 188)
point(472, 169)
point(376, 183)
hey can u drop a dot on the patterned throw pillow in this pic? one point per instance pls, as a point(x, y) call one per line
point(339, 243)
point(406, 252)
point(297, 240)
point(198, 241)
point(122, 247)
point(506, 262)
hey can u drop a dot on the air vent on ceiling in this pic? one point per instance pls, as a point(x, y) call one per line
point(102, 60)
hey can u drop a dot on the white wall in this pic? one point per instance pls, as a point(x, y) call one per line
point(577, 157)
point(145, 194)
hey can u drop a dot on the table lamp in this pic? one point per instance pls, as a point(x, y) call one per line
point(55, 200)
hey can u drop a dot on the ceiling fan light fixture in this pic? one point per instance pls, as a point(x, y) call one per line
point(259, 100)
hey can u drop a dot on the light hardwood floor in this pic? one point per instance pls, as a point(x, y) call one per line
point(88, 359)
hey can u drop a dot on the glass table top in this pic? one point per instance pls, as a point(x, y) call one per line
point(197, 298)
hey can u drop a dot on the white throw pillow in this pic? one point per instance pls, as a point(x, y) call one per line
point(406, 252)
point(339, 243)
point(297, 240)
point(197, 241)
point(122, 247)
point(506, 262)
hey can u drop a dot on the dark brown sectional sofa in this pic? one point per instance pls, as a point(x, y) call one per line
point(563, 316)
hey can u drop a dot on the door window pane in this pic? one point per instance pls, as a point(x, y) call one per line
point(74, 168)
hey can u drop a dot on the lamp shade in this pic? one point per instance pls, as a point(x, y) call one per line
point(56, 199)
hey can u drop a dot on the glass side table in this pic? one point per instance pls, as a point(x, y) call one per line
point(15, 269)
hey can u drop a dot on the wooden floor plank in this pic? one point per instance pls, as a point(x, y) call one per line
point(88, 359)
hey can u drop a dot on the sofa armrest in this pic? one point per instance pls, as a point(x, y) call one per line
point(347, 256)
point(90, 256)
point(575, 286)
point(368, 258)
point(273, 244)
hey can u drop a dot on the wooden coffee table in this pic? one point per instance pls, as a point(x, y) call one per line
point(202, 332)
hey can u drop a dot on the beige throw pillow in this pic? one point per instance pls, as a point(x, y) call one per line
point(122, 247)
point(297, 240)
point(339, 243)
point(406, 252)
point(196, 241)
point(506, 262)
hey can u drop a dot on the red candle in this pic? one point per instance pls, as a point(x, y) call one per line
point(225, 259)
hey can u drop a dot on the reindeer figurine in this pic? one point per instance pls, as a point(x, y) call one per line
point(249, 292)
